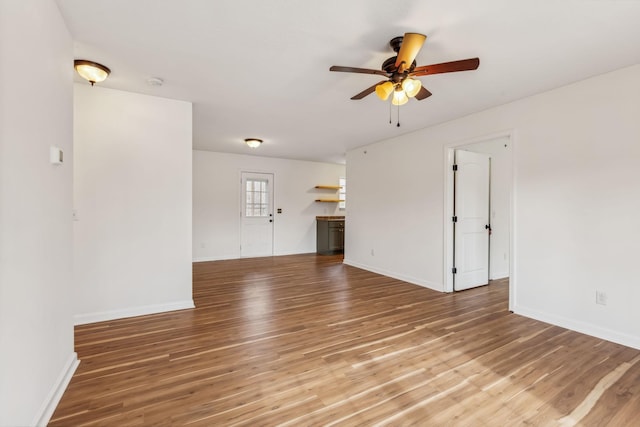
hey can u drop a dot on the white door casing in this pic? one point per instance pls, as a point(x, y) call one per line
point(471, 210)
point(256, 228)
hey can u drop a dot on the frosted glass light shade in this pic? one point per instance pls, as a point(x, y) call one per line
point(91, 71)
point(253, 142)
point(383, 90)
point(411, 87)
point(399, 97)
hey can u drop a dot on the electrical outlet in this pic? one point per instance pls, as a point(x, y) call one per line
point(601, 298)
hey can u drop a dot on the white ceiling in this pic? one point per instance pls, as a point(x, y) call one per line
point(260, 68)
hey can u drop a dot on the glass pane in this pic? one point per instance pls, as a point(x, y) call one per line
point(256, 198)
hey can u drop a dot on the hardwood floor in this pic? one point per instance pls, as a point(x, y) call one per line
point(305, 340)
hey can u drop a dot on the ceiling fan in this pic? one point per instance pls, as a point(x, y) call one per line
point(401, 69)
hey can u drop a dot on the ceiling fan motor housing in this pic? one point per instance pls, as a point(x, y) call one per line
point(395, 43)
point(389, 66)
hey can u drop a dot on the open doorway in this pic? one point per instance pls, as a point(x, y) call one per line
point(499, 148)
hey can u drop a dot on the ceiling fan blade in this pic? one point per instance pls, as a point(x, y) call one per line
point(367, 91)
point(422, 94)
point(447, 67)
point(411, 45)
point(358, 70)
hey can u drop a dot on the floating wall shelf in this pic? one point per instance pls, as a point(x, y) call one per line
point(332, 188)
point(328, 187)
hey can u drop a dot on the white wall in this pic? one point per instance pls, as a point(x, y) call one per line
point(395, 223)
point(132, 195)
point(216, 202)
point(36, 329)
point(576, 198)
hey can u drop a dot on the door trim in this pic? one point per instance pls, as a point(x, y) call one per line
point(448, 152)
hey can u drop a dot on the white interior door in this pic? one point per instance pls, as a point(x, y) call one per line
point(256, 234)
point(471, 228)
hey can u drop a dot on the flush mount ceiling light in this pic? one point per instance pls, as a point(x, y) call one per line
point(91, 71)
point(253, 142)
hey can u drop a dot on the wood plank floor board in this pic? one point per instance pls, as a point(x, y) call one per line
point(305, 340)
point(621, 401)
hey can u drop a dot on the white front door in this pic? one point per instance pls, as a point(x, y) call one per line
point(471, 226)
point(256, 234)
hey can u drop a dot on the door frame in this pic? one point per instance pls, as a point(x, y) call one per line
point(240, 193)
point(449, 150)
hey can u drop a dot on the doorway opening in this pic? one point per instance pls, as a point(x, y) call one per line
point(497, 262)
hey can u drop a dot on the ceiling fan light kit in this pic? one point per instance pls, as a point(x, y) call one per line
point(401, 69)
point(411, 86)
point(383, 90)
point(399, 96)
point(91, 71)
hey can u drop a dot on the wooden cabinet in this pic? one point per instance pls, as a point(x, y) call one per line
point(329, 236)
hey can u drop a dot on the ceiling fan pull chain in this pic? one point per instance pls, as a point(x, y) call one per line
point(390, 112)
point(398, 125)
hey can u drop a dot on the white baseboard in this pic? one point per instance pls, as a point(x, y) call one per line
point(413, 280)
point(584, 328)
point(287, 253)
point(228, 257)
point(82, 319)
point(220, 258)
point(53, 398)
point(499, 275)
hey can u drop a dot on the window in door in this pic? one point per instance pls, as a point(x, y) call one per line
point(257, 197)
